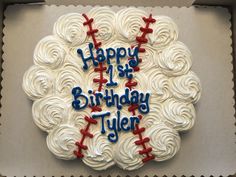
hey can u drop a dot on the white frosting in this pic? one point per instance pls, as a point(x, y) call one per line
point(165, 31)
point(155, 112)
point(149, 58)
point(165, 141)
point(175, 59)
point(186, 87)
point(164, 73)
point(126, 153)
point(75, 58)
point(67, 78)
point(70, 28)
point(88, 79)
point(117, 44)
point(141, 79)
point(178, 114)
point(128, 23)
point(50, 52)
point(100, 153)
point(48, 112)
point(159, 84)
point(76, 118)
point(37, 82)
point(61, 141)
point(104, 21)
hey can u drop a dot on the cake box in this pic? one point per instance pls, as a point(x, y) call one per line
point(212, 102)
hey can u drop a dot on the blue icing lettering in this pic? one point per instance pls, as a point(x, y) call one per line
point(144, 106)
point(91, 57)
point(135, 59)
point(111, 82)
point(76, 103)
point(120, 53)
point(125, 71)
point(108, 54)
point(100, 55)
point(101, 115)
point(81, 100)
point(116, 124)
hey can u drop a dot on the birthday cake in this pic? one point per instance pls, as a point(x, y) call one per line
point(113, 88)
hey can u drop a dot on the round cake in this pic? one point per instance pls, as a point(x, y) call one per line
point(113, 88)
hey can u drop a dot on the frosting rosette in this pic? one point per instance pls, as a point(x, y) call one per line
point(178, 114)
point(70, 28)
point(165, 31)
point(50, 52)
point(81, 72)
point(49, 111)
point(149, 59)
point(139, 78)
point(126, 155)
point(154, 114)
point(61, 141)
point(67, 78)
point(186, 87)
point(76, 118)
point(128, 23)
point(164, 140)
point(175, 60)
point(100, 153)
point(37, 82)
point(159, 84)
point(104, 21)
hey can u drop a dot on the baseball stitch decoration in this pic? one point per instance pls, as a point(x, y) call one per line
point(113, 88)
point(138, 131)
point(85, 132)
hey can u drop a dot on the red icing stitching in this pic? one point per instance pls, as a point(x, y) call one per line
point(91, 32)
point(85, 133)
point(130, 84)
point(101, 80)
point(95, 108)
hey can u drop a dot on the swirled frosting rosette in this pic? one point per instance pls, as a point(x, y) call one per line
point(61, 141)
point(100, 153)
point(164, 140)
point(50, 52)
point(70, 28)
point(67, 78)
point(175, 59)
point(104, 21)
point(186, 87)
point(37, 82)
point(163, 73)
point(178, 114)
point(128, 23)
point(126, 155)
point(48, 112)
point(165, 31)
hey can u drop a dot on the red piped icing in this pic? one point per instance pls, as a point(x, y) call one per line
point(101, 80)
point(91, 32)
point(95, 108)
point(130, 84)
point(85, 133)
point(146, 151)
